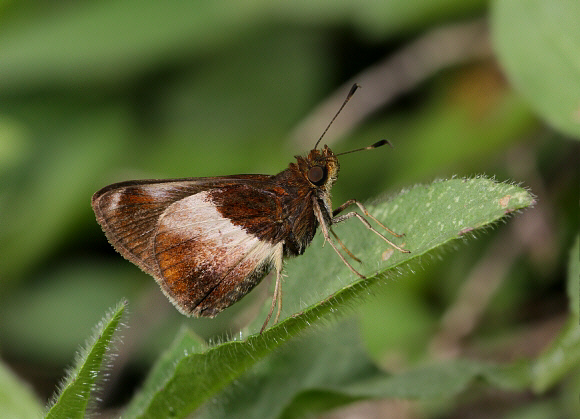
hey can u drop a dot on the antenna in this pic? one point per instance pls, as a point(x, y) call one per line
point(350, 93)
point(370, 147)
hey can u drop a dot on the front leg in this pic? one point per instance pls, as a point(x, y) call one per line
point(325, 232)
point(338, 219)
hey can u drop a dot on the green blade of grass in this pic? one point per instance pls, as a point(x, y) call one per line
point(75, 393)
point(318, 283)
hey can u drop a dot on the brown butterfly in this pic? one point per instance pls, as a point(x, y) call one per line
point(209, 241)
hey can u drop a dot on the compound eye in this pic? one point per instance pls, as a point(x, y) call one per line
point(316, 175)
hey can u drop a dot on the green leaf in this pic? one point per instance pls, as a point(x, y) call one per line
point(430, 216)
point(538, 43)
point(563, 355)
point(329, 368)
point(17, 400)
point(75, 392)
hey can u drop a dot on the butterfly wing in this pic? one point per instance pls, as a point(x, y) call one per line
point(185, 233)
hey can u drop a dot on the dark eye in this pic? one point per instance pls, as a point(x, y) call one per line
point(316, 175)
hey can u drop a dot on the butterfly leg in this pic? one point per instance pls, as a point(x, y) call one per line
point(365, 222)
point(326, 234)
point(365, 211)
point(277, 297)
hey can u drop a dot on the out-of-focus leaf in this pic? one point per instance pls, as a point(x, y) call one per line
point(109, 40)
point(573, 284)
point(538, 43)
point(377, 18)
point(563, 355)
point(46, 205)
point(17, 400)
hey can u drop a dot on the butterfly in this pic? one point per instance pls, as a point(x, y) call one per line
point(209, 241)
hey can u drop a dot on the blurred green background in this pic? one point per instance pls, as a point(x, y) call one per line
point(95, 92)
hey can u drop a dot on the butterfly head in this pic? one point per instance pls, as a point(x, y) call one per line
point(320, 168)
